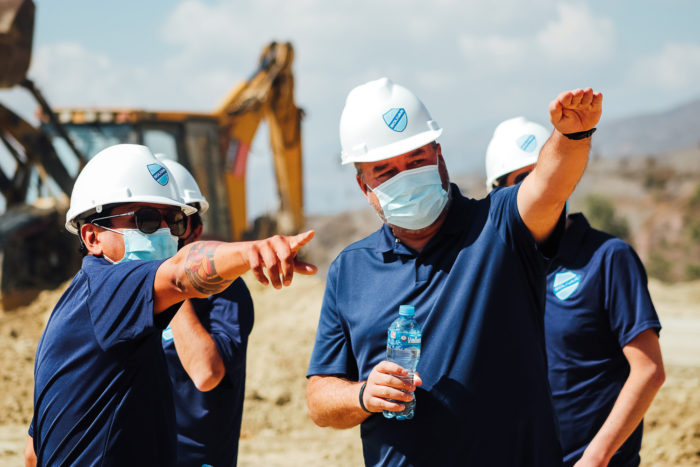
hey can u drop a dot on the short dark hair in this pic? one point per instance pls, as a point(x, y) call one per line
point(195, 220)
point(500, 181)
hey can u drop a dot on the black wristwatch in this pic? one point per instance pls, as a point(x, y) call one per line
point(580, 134)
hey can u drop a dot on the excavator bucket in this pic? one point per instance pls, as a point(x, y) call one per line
point(16, 36)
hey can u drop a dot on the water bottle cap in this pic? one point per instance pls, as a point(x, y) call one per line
point(407, 310)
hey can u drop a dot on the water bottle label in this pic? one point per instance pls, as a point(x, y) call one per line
point(400, 340)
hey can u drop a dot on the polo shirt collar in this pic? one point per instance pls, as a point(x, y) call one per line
point(573, 237)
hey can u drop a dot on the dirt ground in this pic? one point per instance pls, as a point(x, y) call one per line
point(276, 428)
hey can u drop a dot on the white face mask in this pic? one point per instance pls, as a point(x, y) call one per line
point(161, 244)
point(412, 199)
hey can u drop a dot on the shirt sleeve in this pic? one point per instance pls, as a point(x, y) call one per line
point(230, 316)
point(508, 222)
point(628, 302)
point(120, 301)
point(331, 352)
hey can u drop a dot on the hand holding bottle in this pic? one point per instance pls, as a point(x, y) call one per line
point(386, 390)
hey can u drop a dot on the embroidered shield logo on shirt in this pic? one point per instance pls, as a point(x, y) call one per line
point(396, 119)
point(565, 284)
point(158, 173)
point(167, 334)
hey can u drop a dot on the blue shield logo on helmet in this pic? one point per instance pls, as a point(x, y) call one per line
point(565, 284)
point(396, 119)
point(158, 173)
point(527, 143)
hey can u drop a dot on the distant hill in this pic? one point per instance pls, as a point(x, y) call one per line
point(651, 134)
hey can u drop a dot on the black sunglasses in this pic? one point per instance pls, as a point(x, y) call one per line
point(148, 220)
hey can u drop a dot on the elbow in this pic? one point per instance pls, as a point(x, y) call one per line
point(658, 376)
point(315, 414)
point(652, 376)
point(208, 379)
point(318, 419)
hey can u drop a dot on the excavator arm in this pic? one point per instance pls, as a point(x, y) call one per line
point(268, 95)
point(35, 250)
point(29, 146)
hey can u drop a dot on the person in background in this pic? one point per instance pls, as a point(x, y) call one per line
point(102, 395)
point(475, 272)
point(601, 328)
point(205, 348)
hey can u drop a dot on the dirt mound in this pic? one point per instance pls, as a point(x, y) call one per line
point(19, 335)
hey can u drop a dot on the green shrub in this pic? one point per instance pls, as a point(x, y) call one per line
point(658, 266)
point(692, 271)
point(693, 206)
point(601, 214)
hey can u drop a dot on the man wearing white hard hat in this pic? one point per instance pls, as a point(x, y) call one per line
point(205, 348)
point(601, 328)
point(102, 395)
point(473, 269)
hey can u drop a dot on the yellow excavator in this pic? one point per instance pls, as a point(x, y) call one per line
point(213, 146)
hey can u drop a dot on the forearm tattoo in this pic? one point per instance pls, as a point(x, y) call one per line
point(200, 269)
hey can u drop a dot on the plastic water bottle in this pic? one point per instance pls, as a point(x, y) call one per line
point(403, 348)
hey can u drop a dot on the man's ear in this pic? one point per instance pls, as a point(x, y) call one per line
point(88, 234)
point(442, 167)
point(361, 184)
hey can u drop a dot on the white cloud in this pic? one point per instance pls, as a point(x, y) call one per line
point(577, 35)
point(69, 74)
point(573, 38)
point(494, 52)
point(676, 67)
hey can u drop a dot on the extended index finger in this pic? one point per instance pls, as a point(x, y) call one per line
point(299, 240)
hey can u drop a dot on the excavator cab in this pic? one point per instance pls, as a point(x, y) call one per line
point(191, 139)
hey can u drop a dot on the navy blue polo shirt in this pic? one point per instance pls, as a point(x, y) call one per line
point(478, 290)
point(209, 423)
point(101, 390)
point(597, 302)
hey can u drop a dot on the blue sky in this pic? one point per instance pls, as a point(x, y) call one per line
point(474, 63)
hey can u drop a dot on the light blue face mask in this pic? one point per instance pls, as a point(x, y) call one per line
point(412, 199)
point(161, 244)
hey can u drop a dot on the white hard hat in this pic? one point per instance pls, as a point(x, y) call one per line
point(516, 143)
point(189, 190)
point(382, 120)
point(123, 173)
